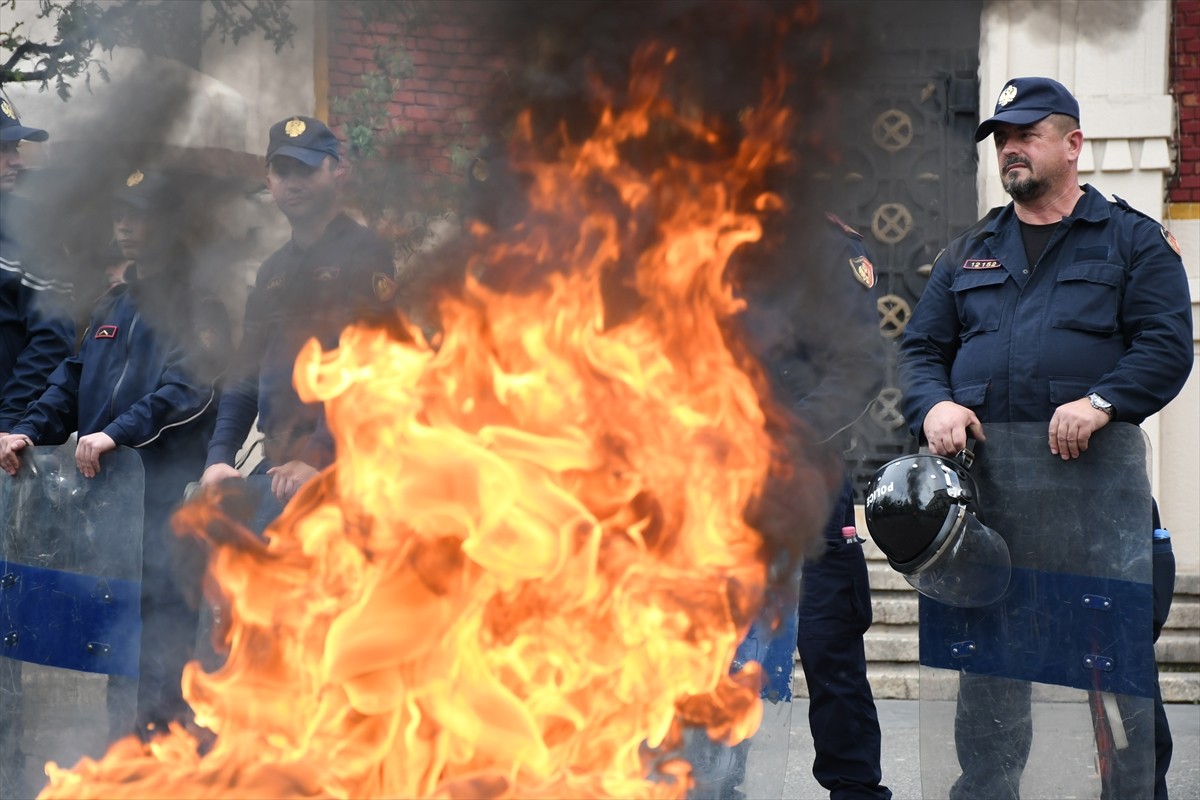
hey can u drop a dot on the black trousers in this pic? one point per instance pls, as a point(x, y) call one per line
point(835, 612)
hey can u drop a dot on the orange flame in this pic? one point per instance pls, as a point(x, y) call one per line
point(531, 565)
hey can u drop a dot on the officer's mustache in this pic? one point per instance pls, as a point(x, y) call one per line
point(1008, 162)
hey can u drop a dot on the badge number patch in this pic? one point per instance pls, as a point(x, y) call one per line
point(981, 263)
point(106, 332)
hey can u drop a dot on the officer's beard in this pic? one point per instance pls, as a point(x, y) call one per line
point(1025, 191)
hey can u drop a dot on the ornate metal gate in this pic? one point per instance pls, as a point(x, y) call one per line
point(907, 176)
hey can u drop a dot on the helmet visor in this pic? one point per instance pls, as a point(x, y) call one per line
point(971, 568)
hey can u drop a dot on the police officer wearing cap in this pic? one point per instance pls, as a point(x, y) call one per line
point(146, 377)
point(333, 272)
point(814, 326)
point(36, 331)
point(1061, 307)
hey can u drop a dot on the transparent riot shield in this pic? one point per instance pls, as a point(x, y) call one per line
point(1048, 692)
point(70, 572)
point(757, 767)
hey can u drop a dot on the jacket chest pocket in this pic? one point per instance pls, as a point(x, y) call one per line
point(1087, 297)
point(978, 295)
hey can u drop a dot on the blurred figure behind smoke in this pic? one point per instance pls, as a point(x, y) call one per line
point(146, 376)
point(35, 332)
point(332, 273)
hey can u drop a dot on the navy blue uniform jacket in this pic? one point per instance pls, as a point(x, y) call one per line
point(299, 294)
point(815, 329)
point(36, 330)
point(146, 373)
point(1104, 310)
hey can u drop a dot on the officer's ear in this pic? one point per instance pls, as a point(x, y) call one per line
point(337, 167)
point(1074, 141)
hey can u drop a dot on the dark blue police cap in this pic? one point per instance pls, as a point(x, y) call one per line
point(11, 129)
point(304, 139)
point(1024, 101)
point(146, 191)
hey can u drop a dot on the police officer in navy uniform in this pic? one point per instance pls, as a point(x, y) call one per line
point(815, 329)
point(36, 331)
point(1062, 307)
point(146, 377)
point(333, 272)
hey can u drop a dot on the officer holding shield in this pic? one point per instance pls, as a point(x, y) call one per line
point(146, 377)
point(1062, 308)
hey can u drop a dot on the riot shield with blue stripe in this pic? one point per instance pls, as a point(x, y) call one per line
point(70, 585)
point(1048, 690)
point(756, 767)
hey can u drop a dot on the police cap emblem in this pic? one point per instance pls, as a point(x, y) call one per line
point(383, 286)
point(7, 109)
point(134, 178)
point(1007, 96)
point(294, 127)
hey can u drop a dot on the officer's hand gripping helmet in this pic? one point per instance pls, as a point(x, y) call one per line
point(923, 513)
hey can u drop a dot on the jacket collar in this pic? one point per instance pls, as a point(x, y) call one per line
point(1092, 207)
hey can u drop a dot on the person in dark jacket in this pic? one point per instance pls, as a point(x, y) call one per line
point(146, 377)
point(1062, 308)
point(333, 272)
point(36, 331)
point(816, 333)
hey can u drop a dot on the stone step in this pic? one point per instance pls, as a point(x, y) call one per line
point(885, 579)
point(1178, 647)
point(896, 644)
point(894, 610)
point(1185, 613)
point(1180, 687)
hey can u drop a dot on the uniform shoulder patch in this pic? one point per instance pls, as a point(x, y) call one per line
point(864, 270)
point(326, 273)
point(106, 332)
point(275, 283)
point(1170, 239)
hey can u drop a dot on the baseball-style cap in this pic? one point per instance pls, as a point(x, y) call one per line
point(302, 138)
point(11, 129)
point(1024, 101)
point(146, 190)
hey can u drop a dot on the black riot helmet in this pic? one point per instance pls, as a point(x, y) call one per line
point(923, 513)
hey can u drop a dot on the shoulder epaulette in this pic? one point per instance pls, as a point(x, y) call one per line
point(846, 229)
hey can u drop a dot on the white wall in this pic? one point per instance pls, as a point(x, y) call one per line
point(1113, 55)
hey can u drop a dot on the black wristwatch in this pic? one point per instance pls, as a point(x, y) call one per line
point(1100, 403)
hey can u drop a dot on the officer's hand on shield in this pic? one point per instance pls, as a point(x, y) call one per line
point(288, 478)
point(10, 446)
point(947, 425)
point(89, 450)
point(217, 474)
point(1073, 425)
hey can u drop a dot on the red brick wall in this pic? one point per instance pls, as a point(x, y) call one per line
point(1185, 84)
point(458, 67)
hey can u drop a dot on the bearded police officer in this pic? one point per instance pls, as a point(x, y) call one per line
point(1062, 308)
point(332, 273)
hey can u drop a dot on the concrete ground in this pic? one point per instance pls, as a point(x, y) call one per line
point(898, 721)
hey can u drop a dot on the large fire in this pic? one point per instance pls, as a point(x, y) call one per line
point(531, 566)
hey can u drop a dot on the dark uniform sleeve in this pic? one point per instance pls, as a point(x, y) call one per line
point(1156, 319)
point(45, 311)
point(187, 387)
point(54, 416)
point(239, 401)
point(928, 347)
point(845, 346)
